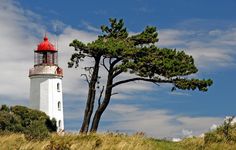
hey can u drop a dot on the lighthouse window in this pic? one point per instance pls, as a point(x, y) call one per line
point(59, 105)
point(58, 87)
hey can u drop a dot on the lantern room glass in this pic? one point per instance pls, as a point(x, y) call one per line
point(47, 58)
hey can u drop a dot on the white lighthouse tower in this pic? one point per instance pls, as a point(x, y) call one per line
point(46, 83)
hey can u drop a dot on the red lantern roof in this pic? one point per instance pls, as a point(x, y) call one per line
point(46, 45)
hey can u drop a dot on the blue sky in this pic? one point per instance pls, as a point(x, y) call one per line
point(205, 29)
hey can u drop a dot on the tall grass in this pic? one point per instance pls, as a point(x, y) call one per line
point(108, 141)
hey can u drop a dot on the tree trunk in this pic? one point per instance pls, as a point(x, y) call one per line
point(103, 106)
point(90, 98)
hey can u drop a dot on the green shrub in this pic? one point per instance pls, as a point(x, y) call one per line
point(4, 108)
point(224, 133)
point(27, 115)
point(213, 137)
point(51, 124)
point(10, 122)
point(33, 123)
point(36, 131)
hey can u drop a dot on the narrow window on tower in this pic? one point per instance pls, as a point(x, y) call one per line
point(58, 87)
point(59, 105)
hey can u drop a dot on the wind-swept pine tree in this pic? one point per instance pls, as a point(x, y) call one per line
point(118, 52)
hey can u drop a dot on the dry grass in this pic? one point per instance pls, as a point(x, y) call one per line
point(199, 144)
point(109, 141)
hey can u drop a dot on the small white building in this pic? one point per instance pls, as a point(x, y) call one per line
point(46, 83)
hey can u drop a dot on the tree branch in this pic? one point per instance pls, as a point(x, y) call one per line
point(103, 63)
point(110, 60)
point(114, 94)
point(117, 73)
point(86, 77)
point(142, 79)
point(115, 62)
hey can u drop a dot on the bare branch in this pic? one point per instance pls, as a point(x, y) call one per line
point(115, 62)
point(114, 94)
point(86, 77)
point(156, 83)
point(103, 63)
point(143, 79)
point(110, 61)
point(117, 73)
point(100, 96)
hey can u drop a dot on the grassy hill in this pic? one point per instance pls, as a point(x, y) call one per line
point(22, 128)
point(109, 141)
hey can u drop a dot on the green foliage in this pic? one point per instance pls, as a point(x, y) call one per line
point(115, 26)
point(5, 108)
point(139, 55)
point(10, 122)
point(192, 84)
point(51, 124)
point(36, 130)
point(33, 123)
point(149, 35)
point(211, 137)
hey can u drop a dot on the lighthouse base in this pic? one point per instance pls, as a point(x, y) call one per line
point(46, 96)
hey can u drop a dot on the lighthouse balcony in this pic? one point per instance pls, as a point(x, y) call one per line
point(46, 70)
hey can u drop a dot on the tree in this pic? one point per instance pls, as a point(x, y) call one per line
point(118, 52)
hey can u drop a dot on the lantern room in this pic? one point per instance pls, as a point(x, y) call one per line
point(46, 54)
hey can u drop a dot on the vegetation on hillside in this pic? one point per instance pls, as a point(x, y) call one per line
point(23, 128)
point(114, 141)
point(88, 142)
point(19, 119)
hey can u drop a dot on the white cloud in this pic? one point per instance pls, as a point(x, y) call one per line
point(213, 127)
point(19, 35)
point(57, 25)
point(187, 133)
point(179, 93)
point(90, 27)
point(16, 48)
point(214, 48)
point(157, 123)
point(171, 37)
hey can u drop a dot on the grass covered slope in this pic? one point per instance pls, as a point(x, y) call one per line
point(23, 129)
point(86, 142)
point(108, 141)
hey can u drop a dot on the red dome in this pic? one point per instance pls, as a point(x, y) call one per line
point(46, 45)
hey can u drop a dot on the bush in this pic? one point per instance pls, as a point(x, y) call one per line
point(5, 108)
point(224, 133)
point(212, 137)
point(33, 123)
point(27, 115)
point(51, 124)
point(36, 131)
point(9, 122)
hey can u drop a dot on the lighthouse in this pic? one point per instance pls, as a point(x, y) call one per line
point(46, 83)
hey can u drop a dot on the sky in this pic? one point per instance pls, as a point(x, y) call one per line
point(204, 29)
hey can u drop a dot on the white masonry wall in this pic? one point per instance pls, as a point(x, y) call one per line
point(46, 95)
